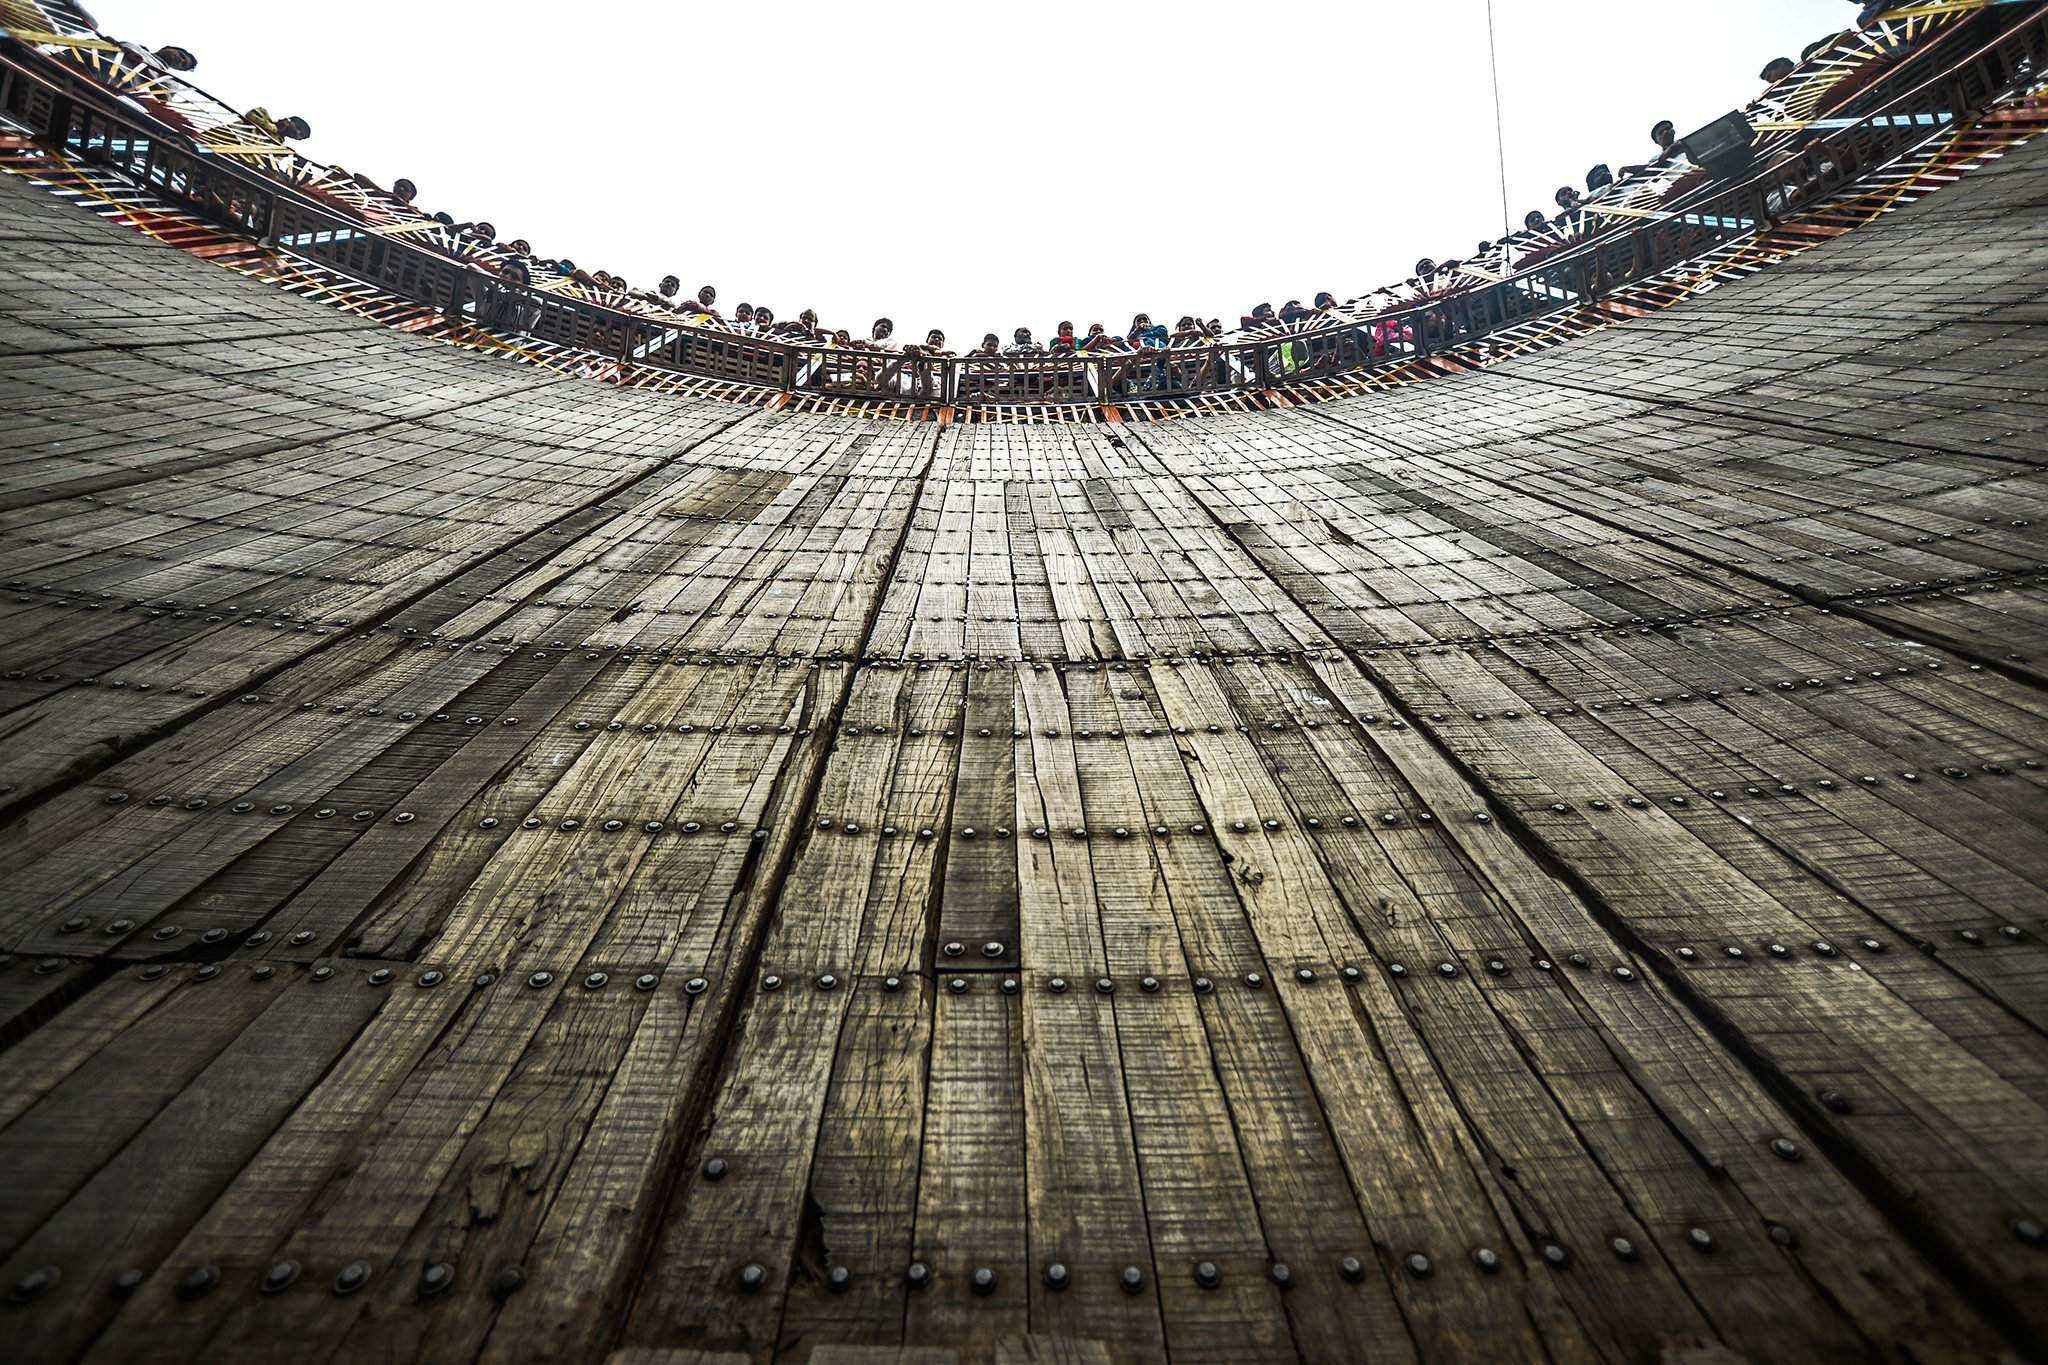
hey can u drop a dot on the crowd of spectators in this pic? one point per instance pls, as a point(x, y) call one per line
point(514, 262)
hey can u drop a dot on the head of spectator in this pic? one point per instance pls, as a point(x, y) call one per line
point(1293, 311)
point(1096, 329)
point(989, 344)
point(764, 318)
point(842, 337)
point(1599, 178)
point(1020, 340)
point(1424, 268)
point(935, 340)
point(1325, 299)
point(1140, 323)
point(809, 319)
point(1818, 45)
point(1186, 326)
point(1213, 327)
point(744, 314)
point(405, 190)
point(669, 285)
point(1664, 135)
point(706, 297)
point(881, 331)
point(1777, 69)
point(294, 128)
point(521, 246)
point(1535, 220)
point(177, 58)
point(445, 219)
point(514, 273)
point(486, 232)
point(1566, 197)
point(1063, 335)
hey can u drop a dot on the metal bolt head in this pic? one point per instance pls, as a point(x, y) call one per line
point(280, 1277)
point(539, 980)
point(34, 1284)
point(1623, 1248)
point(1352, 1269)
point(508, 1280)
point(1785, 1149)
point(1836, 1102)
point(1700, 1238)
point(198, 1281)
point(353, 1276)
point(1131, 1278)
point(752, 1276)
point(1556, 1256)
point(436, 1279)
point(1282, 1275)
point(715, 1168)
point(1418, 1265)
point(838, 1278)
point(983, 1281)
point(1207, 1275)
point(2030, 1231)
point(918, 1275)
point(1056, 1276)
point(1486, 1258)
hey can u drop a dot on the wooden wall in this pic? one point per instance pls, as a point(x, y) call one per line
point(1546, 865)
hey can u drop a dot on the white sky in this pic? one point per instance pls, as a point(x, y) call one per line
point(977, 166)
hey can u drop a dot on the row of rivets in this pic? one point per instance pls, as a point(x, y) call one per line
point(202, 1280)
point(1202, 985)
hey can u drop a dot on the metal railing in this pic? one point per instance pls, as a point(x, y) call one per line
point(1960, 71)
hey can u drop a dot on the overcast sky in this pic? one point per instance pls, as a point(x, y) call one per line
point(976, 166)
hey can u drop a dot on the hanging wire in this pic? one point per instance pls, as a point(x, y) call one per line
point(1499, 138)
